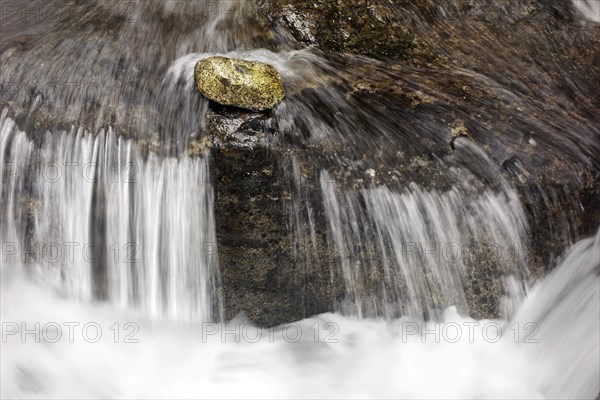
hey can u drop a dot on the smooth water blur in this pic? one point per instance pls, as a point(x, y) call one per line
point(556, 357)
point(424, 241)
point(589, 8)
point(90, 216)
point(566, 305)
point(117, 214)
point(101, 63)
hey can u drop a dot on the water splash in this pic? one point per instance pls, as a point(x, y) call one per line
point(368, 358)
point(566, 306)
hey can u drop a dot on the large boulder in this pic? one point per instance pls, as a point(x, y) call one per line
point(246, 84)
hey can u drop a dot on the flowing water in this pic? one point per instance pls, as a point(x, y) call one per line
point(113, 222)
point(421, 239)
point(363, 358)
point(101, 222)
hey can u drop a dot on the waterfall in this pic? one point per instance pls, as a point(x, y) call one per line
point(411, 251)
point(421, 242)
point(92, 217)
point(427, 167)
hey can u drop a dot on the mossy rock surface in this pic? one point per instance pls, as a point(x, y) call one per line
point(233, 82)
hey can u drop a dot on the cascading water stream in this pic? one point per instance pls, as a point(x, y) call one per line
point(102, 222)
point(420, 241)
point(118, 224)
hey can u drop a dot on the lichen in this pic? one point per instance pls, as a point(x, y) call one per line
point(246, 84)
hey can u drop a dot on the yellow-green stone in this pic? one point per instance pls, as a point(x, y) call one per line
point(247, 84)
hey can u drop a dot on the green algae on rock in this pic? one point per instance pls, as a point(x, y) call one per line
point(251, 85)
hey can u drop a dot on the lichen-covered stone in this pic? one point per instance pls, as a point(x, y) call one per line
point(246, 84)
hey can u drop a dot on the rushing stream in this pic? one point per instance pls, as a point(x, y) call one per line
point(111, 279)
point(361, 358)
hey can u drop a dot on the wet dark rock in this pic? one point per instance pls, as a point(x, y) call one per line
point(267, 272)
point(489, 70)
point(370, 28)
point(261, 273)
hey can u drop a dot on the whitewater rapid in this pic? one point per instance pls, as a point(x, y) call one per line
point(549, 350)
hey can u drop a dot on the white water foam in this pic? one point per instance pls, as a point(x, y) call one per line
point(362, 358)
